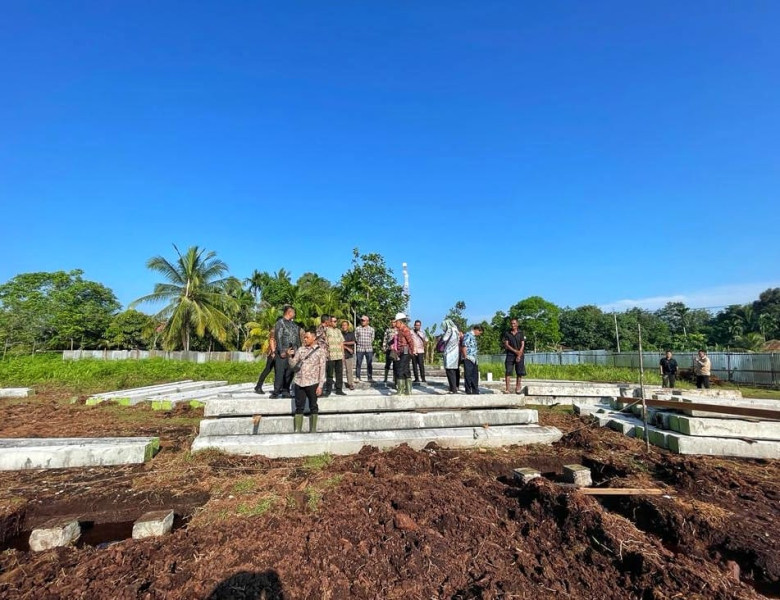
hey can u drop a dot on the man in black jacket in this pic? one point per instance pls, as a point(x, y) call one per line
point(668, 370)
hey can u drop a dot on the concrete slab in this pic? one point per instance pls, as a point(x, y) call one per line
point(562, 400)
point(16, 392)
point(133, 397)
point(711, 393)
point(725, 428)
point(623, 424)
point(581, 408)
point(575, 390)
point(723, 401)
point(310, 444)
point(54, 534)
point(525, 474)
point(714, 446)
point(658, 437)
point(59, 453)
point(578, 475)
point(372, 421)
point(147, 389)
point(153, 524)
point(259, 405)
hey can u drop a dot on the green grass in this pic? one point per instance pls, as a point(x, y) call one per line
point(244, 486)
point(50, 371)
point(262, 506)
point(576, 373)
point(315, 463)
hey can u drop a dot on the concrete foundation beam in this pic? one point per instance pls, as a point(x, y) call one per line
point(258, 405)
point(136, 396)
point(577, 390)
point(725, 428)
point(372, 421)
point(153, 524)
point(623, 424)
point(711, 393)
point(658, 437)
point(54, 534)
point(578, 475)
point(310, 444)
point(16, 392)
point(713, 446)
point(58, 453)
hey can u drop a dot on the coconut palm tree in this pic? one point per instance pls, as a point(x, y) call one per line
point(255, 283)
point(194, 296)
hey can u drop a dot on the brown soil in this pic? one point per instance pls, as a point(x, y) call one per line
point(399, 524)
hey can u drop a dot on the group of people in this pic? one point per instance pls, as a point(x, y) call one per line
point(308, 365)
point(702, 369)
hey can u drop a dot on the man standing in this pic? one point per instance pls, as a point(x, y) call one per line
point(418, 359)
point(349, 353)
point(514, 344)
point(364, 338)
point(388, 343)
point(404, 344)
point(470, 369)
point(287, 336)
point(335, 343)
point(702, 368)
point(668, 370)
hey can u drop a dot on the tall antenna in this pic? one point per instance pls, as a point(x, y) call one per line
point(406, 290)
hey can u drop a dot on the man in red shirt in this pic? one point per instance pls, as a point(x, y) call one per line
point(404, 352)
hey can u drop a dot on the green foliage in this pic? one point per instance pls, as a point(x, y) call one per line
point(456, 314)
point(260, 507)
point(92, 376)
point(54, 310)
point(131, 330)
point(369, 287)
point(539, 320)
point(576, 373)
point(586, 328)
point(195, 297)
point(318, 462)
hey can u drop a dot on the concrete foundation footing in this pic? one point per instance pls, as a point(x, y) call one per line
point(55, 533)
point(153, 524)
point(578, 475)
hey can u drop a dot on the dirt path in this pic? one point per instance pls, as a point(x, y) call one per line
point(399, 524)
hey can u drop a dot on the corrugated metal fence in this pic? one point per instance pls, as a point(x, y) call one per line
point(198, 357)
point(745, 368)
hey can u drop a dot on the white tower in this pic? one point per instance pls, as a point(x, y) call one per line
point(406, 290)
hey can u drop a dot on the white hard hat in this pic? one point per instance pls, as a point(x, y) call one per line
point(400, 317)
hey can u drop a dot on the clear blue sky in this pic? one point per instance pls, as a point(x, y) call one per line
point(587, 152)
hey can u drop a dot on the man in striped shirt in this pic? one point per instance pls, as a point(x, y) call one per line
point(364, 338)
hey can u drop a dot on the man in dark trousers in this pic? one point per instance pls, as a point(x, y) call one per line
point(287, 335)
point(668, 370)
point(514, 344)
point(418, 360)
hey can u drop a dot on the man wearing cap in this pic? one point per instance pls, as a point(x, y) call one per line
point(405, 350)
point(364, 338)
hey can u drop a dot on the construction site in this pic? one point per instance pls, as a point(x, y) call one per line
point(201, 490)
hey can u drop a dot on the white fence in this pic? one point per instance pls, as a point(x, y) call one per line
point(197, 357)
point(738, 367)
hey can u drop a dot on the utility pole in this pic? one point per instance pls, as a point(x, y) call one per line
point(406, 290)
point(642, 388)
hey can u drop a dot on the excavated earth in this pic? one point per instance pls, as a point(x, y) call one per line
point(398, 524)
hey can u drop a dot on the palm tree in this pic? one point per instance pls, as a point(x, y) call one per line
point(195, 297)
point(259, 331)
point(255, 283)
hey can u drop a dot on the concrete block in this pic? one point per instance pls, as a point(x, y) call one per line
point(578, 475)
point(525, 474)
point(623, 424)
point(574, 389)
point(56, 453)
point(153, 524)
point(657, 437)
point(55, 533)
point(310, 444)
point(714, 446)
point(726, 428)
point(372, 421)
point(16, 392)
point(353, 403)
point(581, 408)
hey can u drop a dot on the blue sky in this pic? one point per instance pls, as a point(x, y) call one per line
point(608, 153)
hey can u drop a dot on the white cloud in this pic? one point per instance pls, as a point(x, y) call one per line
point(713, 298)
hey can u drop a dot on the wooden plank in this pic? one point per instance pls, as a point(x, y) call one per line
point(591, 491)
point(742, 411)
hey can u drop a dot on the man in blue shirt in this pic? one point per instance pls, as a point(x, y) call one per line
point(469, 350)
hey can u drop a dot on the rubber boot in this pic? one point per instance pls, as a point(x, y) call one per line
point(407, 386)
point(313, 422)
point(297, 423)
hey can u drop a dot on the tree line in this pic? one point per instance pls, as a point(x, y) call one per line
point(200, 306)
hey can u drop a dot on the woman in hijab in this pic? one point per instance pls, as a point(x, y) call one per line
point(451, 339)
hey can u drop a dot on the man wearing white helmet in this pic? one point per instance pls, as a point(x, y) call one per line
point(404, 351)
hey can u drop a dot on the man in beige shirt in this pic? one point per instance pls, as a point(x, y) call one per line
point(702, 368)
